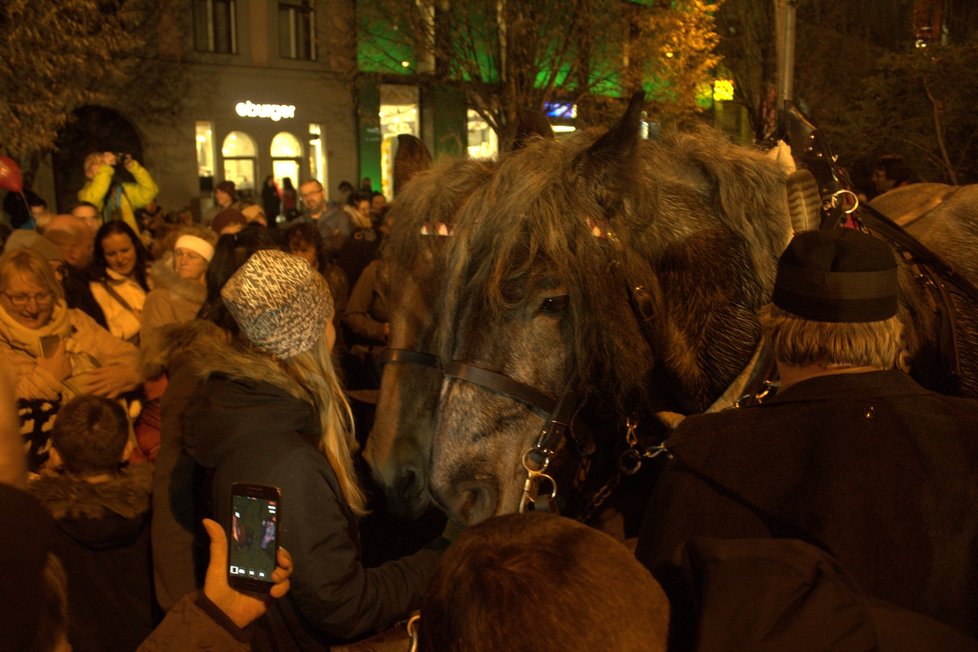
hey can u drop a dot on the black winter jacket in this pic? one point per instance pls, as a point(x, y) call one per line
point(869, 467)
point(249, 424)
point(103, 544)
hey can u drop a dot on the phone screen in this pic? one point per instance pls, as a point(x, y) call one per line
point(253, 540)
point(49, 343)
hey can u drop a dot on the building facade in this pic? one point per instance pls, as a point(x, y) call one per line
point(269, 88)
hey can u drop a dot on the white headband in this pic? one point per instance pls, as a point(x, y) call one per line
point(197, 245)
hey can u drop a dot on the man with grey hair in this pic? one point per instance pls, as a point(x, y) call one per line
point(851, 455)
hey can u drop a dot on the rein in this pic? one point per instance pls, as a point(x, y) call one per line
point(407, 356)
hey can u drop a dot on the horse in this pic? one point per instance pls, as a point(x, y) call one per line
point(397, 447)
point(943, 217)
point(540, 289)
point(413, 255)
point(616, 276)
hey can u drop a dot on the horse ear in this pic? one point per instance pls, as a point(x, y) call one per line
point(607, 162)
point(412, 158)
point(531, 123)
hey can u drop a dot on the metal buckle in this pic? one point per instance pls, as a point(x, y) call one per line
point(533, 477)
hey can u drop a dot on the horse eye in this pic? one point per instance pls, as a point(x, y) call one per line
point(553, 305)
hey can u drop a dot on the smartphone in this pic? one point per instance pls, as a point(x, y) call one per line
point(49, 344)
point(253, 536)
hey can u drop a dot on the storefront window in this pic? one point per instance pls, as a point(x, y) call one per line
point(398, 115)
point(286, 153)
point(239, 153)
point(483, 142)
point(205, 149)
point(317, 154)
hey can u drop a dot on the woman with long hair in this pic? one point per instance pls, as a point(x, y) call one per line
point(177, 561)
point(290, 199)
point(271, 411)
point(119, 278)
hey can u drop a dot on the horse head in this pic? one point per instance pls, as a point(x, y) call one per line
point(429, 197)
point(540, 283)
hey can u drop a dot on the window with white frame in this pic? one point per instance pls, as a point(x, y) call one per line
point(240, 160)
point(215, 26)
point(297, 30)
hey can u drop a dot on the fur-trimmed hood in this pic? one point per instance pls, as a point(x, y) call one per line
point(237, 362)
point(104, 515)
point(157, 353)
point(245, 398)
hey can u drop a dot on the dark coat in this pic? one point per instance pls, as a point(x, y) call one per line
point(179, 557)
point(782, 594)
point(196, 623)
point(78, 294)
point(870, 467)
point(103, 543)
point(249, 424)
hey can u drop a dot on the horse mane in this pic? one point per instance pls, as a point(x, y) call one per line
point(533, 224)
point(432, 197)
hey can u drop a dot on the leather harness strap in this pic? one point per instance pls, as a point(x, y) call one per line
point(501, 384)
point(407, 356)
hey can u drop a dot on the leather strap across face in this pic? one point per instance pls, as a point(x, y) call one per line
point(497, 382)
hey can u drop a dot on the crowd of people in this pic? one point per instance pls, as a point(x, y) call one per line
point(154, 360)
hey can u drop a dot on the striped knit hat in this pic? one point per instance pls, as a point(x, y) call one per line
point(279, 302)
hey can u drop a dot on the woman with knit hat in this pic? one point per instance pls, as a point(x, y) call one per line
point(271, 411)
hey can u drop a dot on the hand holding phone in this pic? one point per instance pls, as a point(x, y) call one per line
point(253, 536)
point(242, 608)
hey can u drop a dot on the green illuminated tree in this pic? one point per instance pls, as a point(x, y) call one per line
point(58, 55)
point(511, 55)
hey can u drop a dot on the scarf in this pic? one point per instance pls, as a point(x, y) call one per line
point(29, 339)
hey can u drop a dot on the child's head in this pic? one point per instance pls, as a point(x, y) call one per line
point(508, 578)
point(90, 434)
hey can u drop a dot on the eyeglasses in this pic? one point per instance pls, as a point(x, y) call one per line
point(311, 194)
point(21, 300)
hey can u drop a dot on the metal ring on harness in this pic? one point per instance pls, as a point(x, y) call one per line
point(558, 414)
point(412, 631)
point(836, 202)
point(534, 474)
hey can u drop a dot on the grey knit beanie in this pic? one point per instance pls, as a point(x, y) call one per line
point(279, 302)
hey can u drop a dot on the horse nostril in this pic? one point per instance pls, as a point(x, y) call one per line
point(478, 503)
point(406, 483)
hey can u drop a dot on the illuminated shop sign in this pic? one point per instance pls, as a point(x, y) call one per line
point(723, 90)
point(560, 110)
point(274, 112)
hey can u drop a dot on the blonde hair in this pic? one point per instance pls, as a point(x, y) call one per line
point(313, 370)
point(801, 342)
point(32, 265)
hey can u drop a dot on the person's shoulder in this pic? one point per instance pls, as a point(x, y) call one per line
point(81, 320)
point(710, 421)
point(158, 295)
